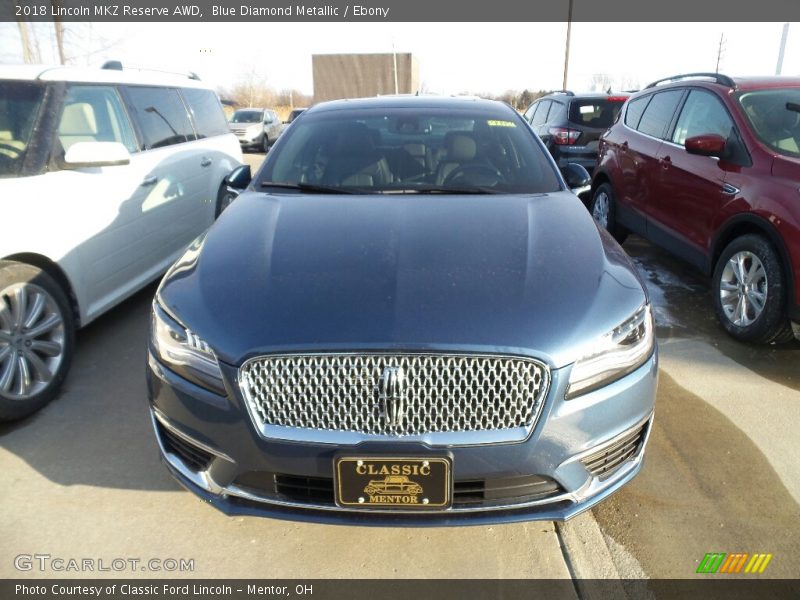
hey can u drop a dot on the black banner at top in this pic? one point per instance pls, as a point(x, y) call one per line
point(400, 10)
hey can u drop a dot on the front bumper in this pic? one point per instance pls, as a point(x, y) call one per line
point(247, 140)
point(210, 446)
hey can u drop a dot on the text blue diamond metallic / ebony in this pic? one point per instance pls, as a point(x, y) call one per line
point(406, 318)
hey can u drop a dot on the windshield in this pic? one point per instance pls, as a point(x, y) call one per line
point(248, 116)
point(19, 106)
point(775, 118)
point(408, 150)
point(596, 113)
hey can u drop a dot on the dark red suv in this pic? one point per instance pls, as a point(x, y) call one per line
point(708, 167)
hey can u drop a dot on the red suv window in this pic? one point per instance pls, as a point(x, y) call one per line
point(702, 113)
point(658, 113)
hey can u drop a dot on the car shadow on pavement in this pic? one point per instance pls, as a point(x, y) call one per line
point(683, 308)
point(97, 432)
point(705, 487)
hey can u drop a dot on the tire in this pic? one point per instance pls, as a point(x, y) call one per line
point(266, 144)
point(603, 210)
point(37, 339)
point(749, 291)
point(224, 199)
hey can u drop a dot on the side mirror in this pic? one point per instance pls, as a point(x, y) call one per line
point(96, 154)
point(577, 178)
point(706, 145)
point(239, 178)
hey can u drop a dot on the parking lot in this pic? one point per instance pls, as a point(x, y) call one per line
point(83, 479)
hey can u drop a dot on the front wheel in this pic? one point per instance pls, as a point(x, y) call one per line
point(37, 339)
point(603, 209)
point(750, 291)
point(266, 143)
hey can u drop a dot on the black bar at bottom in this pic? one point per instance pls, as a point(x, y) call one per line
point(710, 587)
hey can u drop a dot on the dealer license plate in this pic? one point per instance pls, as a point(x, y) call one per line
point(393, 483)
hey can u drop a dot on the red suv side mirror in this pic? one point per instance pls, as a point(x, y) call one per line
point(708, 144)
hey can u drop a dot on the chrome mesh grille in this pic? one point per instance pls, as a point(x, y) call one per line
point(444, 393)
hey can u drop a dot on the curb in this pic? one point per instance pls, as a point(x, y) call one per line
point(588, 557)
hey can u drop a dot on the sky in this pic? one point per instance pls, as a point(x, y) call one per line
point(453, 57)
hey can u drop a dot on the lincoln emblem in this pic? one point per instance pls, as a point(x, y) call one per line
point(392, 395)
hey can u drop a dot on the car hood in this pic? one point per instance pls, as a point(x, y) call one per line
point(519, 274)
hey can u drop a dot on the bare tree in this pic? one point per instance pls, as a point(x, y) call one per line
point(251, 89)
point(25, 39)
point(58, 27)
point(601, 82)
point(292, 98)
point(72, 43)
point(628, 83)
point(525, 99)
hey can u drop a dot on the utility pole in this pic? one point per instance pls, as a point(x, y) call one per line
point(720, 50)
point(566, 49)
point(394, 58)
point(782, 49)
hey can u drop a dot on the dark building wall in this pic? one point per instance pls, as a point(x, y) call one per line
point(362, 75)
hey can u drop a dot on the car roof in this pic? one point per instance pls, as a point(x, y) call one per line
point(585, 95)
point(418, 102)
point(96, 75)
point(719, 81)
point(765, 82)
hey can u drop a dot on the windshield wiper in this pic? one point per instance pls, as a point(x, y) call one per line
point(312, 187)
point(435, 189)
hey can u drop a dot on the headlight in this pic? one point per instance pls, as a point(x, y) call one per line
point(184, 352)
point(617, 353)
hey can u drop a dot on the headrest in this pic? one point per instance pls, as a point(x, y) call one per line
point(460, 146)
point(354, 139)
point(78, 119)
point(780, 117)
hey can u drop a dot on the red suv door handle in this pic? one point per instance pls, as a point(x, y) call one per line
point(665, 161)
point(624, 146)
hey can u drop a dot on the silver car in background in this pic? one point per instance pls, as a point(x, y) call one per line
point(256, 128)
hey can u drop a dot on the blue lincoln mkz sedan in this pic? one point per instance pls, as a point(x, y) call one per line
point(406, 318)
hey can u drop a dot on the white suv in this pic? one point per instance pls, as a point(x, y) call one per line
point(256, 127)
point(106, 175)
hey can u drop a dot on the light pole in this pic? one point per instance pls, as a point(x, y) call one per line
point(782, 49)
point(566, 49)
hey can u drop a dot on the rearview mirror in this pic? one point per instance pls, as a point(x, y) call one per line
point(708, 144)
point(577, 178)
point(96, 154)
point(239, 178)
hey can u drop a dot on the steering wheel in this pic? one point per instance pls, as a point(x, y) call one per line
point(474, 174)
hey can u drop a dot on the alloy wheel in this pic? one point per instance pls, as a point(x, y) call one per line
point(32, 340)
point(743, 288)
point(600, 209)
